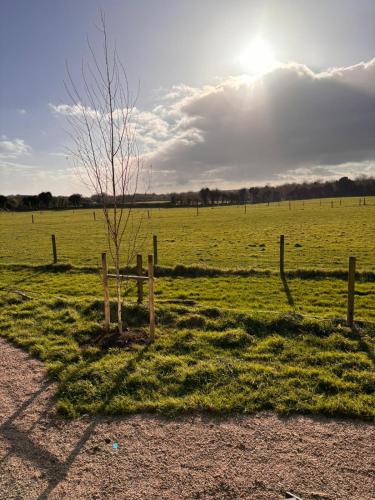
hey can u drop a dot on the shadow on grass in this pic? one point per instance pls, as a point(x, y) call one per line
point(287, 291)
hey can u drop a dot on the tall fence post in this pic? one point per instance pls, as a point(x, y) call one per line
point(54, 251)
point(155, 245)
point(151, 304)
point(107, 317)
point(139, 282)
point(94, 214)
point(282, 243)
point(32, 218)
point(351, 290)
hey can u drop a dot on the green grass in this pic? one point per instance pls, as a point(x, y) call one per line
point(230, 337)
point(203, 359)
point(319, 297)
point(317, 237)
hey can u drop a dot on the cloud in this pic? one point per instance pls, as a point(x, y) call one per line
point(288, 122)
point(13, 148)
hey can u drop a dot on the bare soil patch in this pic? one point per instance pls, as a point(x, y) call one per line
point(196, 457)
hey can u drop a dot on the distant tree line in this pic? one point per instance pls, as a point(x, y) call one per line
point(293, 191)
point(364, 186)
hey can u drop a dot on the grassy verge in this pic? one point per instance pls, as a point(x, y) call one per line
point(204, 359)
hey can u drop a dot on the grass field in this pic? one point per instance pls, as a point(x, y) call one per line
point(317, 237)
point(229, 334)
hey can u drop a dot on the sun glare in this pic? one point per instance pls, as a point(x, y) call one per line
point(258, 57)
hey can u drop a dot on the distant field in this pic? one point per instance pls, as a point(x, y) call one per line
point(317, 237)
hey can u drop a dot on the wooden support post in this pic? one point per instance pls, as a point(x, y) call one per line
point(54, 251)
point(364, 201)
point(139, 282)
point(107, 317)
point(32, 218)
point(155, 245)
point(351, 291)
point(282, 253)
point(94, 215)
point(151, 304)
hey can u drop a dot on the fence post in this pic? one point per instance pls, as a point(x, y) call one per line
point(107, 317)
point(155, 244)
point(94, 215)
point(151, 305)
point(139, 282)
point(148, 214)
point(351, 290)
point(54, 252)
point(32, 218)
point(282, 242)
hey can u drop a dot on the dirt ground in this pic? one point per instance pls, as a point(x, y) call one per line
point(260, 457)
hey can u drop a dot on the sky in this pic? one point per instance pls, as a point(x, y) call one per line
point(232, 93)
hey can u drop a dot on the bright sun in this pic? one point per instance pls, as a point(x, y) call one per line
point(258, 57)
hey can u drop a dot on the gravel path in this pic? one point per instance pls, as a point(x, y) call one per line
point(258, 457)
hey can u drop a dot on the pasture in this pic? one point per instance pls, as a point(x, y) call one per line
point(231, 335)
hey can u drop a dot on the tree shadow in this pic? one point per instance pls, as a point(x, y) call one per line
point(287, 291)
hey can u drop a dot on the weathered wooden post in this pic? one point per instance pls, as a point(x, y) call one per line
point(155, 245)
point(282, 246)
point(94, 214)
point(54, 251)
point(107, 317)
point(351, 290)
point(364, 201)
point(139, 282)
point(32, 218)
point(151, 304)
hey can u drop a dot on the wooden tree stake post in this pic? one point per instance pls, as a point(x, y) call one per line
point(151, 304)
point(54, 251)
point(32, 218)
point(351, 290)
point(155, 245)
point(107, 317)
point(139, 282)
point(282, 243)
point(94, 214)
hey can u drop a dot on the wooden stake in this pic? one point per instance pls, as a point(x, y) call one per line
point(32, 218)
point(351, 290)
point(151, 304)
point(107, 316)
point(155, 245)
point(94, 215)
point(54, 252)
point(282, 245)
point(139, 282)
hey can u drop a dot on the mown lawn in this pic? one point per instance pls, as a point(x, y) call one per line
point(203, 359)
